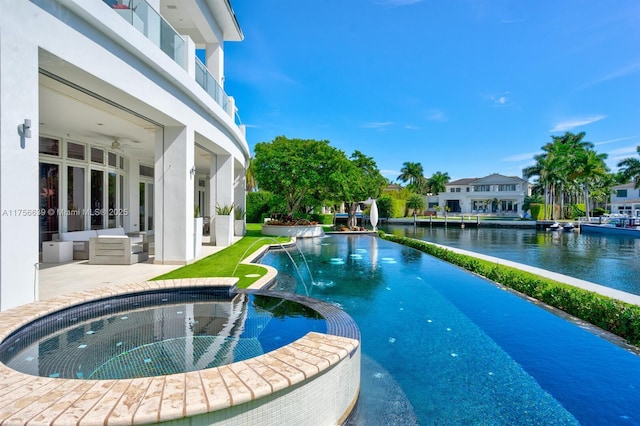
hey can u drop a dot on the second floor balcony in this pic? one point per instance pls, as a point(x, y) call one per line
point(142, 16)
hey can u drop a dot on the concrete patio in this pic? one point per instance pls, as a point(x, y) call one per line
point(56, 279)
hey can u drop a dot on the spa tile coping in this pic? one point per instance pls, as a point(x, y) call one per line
point(43, 400)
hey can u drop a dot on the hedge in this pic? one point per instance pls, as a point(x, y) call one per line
point(615, 316)
point(398, 208)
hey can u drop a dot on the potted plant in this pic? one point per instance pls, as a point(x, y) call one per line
point(239, 224)
point(223, 225)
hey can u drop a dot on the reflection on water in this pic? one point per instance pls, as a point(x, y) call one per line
point(607, 260)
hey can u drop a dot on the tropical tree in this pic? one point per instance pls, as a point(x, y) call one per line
point(630, 169)
point(567, 167)
point(588, 167)
point(252, 184)
point(413, 173)
point(437, 182)
point(358, 179)
point(297, 170)
point(416, 203)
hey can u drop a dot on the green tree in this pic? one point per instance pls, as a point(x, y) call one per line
point(414, 174)
point(437, 182)
point(566, 168)
point(297, 170)
point(588, 167)
point(416, 203)
point(630, 169)
point(252, 184)
point(358, 179)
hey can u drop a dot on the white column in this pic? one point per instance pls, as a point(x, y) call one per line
point(19, 177)
point(132, 219)
point(174, 201)
point(224, 181)
point(239, 187)
point(215, 61)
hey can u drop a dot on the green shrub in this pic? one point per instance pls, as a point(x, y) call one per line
point(615, 316)
point(537, 211)
point(385, 206)
point(257, 205)
point(398, 208)
point(323, 218)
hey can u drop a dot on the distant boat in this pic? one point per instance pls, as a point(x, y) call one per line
point(554, 227)
point(568, 227)
point(613, 226)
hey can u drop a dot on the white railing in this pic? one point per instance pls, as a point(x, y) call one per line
point(150, 23)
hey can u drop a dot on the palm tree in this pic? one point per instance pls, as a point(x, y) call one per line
point(416, 203)
point(252, 184)
point(589, 166)
point(437, 182)
point(414, 174)
point(630, 169)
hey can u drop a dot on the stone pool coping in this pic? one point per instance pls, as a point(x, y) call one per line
point(42, 400)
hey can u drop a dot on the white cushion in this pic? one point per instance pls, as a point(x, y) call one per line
point(77, 235)
point(111, 231)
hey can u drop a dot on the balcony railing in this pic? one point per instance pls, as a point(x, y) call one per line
point(210, 84)
point(150, 23)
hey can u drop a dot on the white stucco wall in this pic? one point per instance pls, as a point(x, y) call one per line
point(120, 64)
point(18, 168)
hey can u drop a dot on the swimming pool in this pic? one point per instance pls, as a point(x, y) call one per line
point(156, 334)
point(442, 346)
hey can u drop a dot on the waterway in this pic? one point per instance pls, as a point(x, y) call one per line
point(612, 261)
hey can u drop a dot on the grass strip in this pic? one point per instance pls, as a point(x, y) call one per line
point(613, 315)
point(224, 262)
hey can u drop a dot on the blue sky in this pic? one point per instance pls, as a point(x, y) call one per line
point(467, 87)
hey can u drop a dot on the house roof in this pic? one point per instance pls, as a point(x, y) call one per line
point(492, 178)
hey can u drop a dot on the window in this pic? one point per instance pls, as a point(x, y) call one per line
point(507, 187)
point(454, 189)
point(146, 171)
point(481, 188)
point(97, 155)
point(621, 193)
point(49, 146)
point(113, 160)
point(75, 151)
point(508, 206)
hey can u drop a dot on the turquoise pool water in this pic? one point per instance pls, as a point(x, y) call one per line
point(609, 260)
point(441, 346)
point(156, 334)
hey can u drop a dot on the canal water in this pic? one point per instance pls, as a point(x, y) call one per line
point(612, 261)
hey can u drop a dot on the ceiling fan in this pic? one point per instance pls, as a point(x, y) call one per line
point(115, 145)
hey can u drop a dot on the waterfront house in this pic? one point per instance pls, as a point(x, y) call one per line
point(494, 194)
point(625, 199)
point(109, 119)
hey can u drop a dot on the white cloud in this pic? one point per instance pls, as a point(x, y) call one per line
point(390, 174)
point(436, 115)
point(570, 124)
point(628, 151)
point(377, 124)
point(410, 127)
point(521, 157)
point(615, 140)
point(500, 99)
point(620, 72)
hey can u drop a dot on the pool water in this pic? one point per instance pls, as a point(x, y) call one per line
point(608, 260)
point(156, 334)
point(442, 346)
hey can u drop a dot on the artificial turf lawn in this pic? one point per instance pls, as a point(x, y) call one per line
point(224, 262)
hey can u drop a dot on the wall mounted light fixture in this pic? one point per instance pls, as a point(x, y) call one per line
point(192, 171)
point(24, 129)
